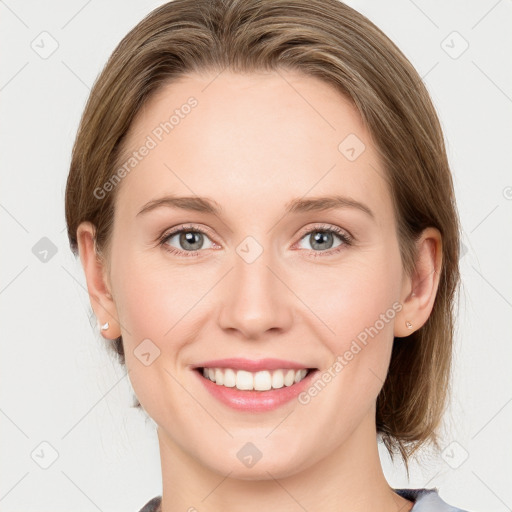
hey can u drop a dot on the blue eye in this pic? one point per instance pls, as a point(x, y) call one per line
point(322, 238)
point(191, 240)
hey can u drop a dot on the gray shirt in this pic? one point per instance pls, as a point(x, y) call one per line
point(426, 500)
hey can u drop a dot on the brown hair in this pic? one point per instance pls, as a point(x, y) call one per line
point(331, 41)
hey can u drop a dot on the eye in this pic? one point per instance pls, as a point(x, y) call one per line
point(322, 238)
point(190, 241)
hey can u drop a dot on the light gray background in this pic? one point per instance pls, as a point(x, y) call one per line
point(60, 387)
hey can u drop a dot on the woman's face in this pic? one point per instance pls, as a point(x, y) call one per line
point(270, 275)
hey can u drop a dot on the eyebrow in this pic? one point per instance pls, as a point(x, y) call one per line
point(206, 205)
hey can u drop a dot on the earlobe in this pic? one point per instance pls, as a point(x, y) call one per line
point(420, 289)
point(94, 269)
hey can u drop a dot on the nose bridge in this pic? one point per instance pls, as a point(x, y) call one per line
point(256, 300)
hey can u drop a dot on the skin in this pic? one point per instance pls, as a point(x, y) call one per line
point(253, 143)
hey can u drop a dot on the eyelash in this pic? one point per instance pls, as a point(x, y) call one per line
point(345, 238)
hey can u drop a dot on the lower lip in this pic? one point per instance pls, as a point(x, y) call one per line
point(255, 401)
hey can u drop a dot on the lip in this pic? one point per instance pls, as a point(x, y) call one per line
point(255, 401)
point(250, 365)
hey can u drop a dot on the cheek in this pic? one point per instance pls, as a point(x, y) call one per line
point(153, 297)
point(152, 307)
point(359, 304)
point(158, 306)
point(358, 300)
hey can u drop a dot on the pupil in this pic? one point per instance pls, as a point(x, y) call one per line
point(319, 237)
point(189, 237)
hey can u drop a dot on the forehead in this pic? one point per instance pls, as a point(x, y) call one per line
point(269, 136)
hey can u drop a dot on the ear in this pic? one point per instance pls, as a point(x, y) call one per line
point(98, 286)
point(420, 288)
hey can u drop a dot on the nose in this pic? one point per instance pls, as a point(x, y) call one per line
point(256, 299)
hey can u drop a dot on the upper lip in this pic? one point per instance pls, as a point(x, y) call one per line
point(251, 365)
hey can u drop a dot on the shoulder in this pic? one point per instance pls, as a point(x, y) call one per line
point(153, 505)
point(427, 500)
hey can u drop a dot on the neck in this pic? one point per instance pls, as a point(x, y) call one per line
point(349, 479)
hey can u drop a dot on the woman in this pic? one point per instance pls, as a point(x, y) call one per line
point(223, 144)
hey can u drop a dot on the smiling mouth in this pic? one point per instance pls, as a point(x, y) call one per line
point(264, 380)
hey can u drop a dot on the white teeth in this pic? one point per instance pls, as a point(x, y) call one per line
point(289, 378)
point(229, 378)
point(259, 381)
point(262, 381)
point(277, 379)
point(244, 380)
point(300, 375)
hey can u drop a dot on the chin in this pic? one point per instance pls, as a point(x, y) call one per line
point(249, 463)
